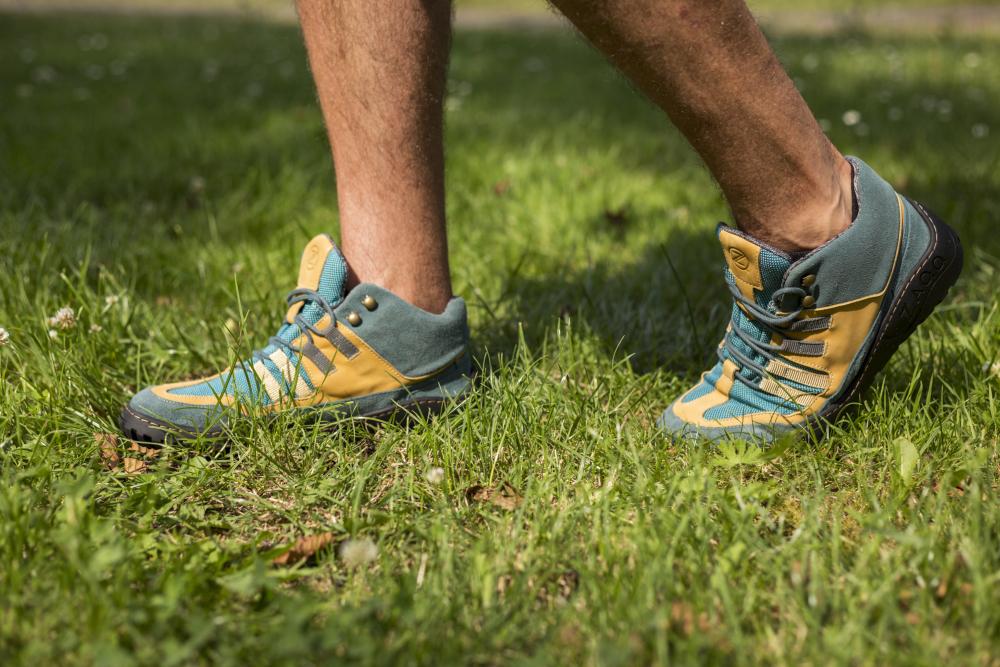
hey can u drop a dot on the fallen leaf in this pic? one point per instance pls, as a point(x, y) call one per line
point(134, 466)
point(150, 452)
point(107, 447)
point(304, 548)
point(504, 496)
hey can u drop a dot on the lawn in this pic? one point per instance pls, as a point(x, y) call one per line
point(160, 175)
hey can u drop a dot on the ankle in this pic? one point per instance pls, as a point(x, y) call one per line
point(814, 223)
point(433, 296)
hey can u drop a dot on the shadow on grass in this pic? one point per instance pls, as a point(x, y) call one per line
point(159, 133)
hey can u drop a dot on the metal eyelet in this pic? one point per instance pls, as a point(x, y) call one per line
point(369, 302)
point(809, 281)
point(354, 319)
point(808, 301)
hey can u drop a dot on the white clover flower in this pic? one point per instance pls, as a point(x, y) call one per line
point(111, 300)
point(435, 475)
point(851, 117)
point(980, 130)
point(53, 334)
point(64, 318)
point(96, 328)
point(992, 369)
point(356, 553)
point(4, 336)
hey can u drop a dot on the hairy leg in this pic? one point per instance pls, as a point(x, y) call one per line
point(379, 67)
point(709, 67)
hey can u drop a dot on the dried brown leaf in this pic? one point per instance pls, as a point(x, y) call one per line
point(148, 452)
point(304, 548)
point(505, 496)
point(107, 447)
point(134, 466)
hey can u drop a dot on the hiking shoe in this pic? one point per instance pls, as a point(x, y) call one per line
point(809, 333)
point(366, 353)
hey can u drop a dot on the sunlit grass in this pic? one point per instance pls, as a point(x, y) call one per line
point(160, 176)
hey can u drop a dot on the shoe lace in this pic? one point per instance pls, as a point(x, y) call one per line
point(300, 295)
point(773, 322)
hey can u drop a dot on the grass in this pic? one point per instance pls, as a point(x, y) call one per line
point(160, 176)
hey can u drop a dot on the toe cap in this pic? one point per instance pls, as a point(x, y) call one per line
point(151, 410)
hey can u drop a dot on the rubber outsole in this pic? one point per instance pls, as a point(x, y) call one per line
point(145, 429)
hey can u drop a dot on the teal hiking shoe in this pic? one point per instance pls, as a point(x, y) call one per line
point(363, 353)
point(808, 334)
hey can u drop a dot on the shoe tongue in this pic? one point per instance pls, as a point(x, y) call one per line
point(324, 270)
point(756, 269)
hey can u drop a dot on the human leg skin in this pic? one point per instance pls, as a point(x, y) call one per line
point(709, 67)
point(379, 68)
point(830, 271)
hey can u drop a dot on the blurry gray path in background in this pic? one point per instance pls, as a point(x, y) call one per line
point(971, 19)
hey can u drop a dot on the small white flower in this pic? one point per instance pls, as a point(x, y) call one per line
point(851, 117)
point(96, 328)
point(356, 553)
point(44, 74)
point(4, 336)
point(980, 130)
point(972, 60)
point(111, 300)
point(196, 185)
point(534, 64)
point(53, 334)
point(64, 318)
point(992, 369)
point(435, 475)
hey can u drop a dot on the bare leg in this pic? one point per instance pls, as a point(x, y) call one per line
point(707, 64)
point(379, 67)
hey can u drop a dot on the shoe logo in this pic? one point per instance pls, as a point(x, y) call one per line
point(311, 258)
point(739, 258)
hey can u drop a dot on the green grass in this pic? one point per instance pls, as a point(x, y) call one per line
point(179, 165)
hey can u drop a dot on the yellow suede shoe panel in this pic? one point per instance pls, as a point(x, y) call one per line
point(743, 258)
